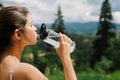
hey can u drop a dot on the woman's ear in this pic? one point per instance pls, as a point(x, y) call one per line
point(17, 34)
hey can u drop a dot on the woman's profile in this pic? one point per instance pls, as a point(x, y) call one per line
point(17, 32)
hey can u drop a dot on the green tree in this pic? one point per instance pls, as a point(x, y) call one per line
point(1, 5)
point(58, 25)
point(106, 31)
point(114, 51)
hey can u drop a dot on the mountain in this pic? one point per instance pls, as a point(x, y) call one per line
point(82, 28)
point(85, 28)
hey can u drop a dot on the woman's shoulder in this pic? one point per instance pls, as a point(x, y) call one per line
point(25, 66)
point(27, 71)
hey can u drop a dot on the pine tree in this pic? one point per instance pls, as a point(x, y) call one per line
point(1, 5)
point(58, 25)
point(106, 31)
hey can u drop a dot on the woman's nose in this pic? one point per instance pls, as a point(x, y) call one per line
point(35, 28)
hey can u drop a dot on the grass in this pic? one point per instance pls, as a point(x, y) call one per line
point(59, 75)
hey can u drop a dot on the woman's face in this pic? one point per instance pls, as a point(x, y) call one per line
point(30, 32)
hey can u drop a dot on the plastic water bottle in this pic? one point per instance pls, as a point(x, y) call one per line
point(51, 37)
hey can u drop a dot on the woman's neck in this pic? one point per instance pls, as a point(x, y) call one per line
point(15, 51)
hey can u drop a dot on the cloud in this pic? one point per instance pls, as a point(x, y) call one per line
point(116, 16)
point(72, 10)
point(79, 10)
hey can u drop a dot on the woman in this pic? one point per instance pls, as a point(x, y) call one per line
point(16, 32)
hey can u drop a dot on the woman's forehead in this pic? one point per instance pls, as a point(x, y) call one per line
point(29, 20)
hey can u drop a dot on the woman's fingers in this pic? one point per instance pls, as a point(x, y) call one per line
point(67, 39)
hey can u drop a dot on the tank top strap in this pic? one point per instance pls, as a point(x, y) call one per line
point(10, 75)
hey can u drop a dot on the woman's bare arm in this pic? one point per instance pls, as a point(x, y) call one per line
point(64, 53)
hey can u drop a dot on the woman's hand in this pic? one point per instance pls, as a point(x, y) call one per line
point(65, 45)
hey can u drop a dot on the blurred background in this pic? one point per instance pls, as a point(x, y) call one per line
point(93, 24)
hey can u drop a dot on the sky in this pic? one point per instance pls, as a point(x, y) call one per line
point(44, 11)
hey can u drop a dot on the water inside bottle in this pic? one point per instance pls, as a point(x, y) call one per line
point(52, 42)
point(56, 43)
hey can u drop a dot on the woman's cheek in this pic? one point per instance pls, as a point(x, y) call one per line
point(34, 37)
